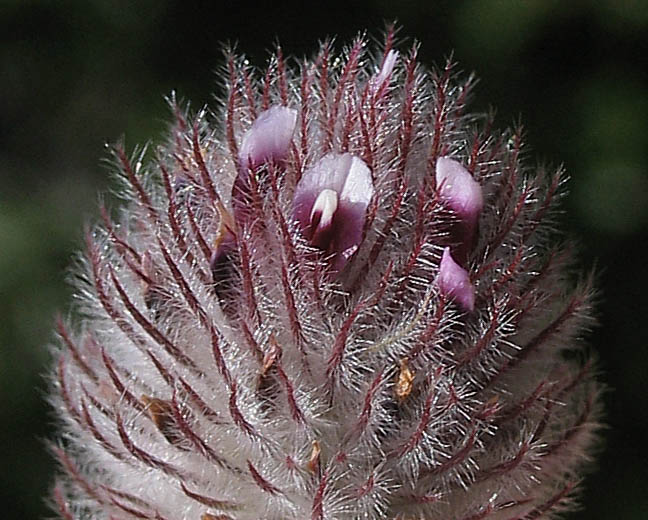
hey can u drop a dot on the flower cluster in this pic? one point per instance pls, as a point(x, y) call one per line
point(338, 297)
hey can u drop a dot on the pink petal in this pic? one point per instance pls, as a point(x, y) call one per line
point(352, 212)
point(454, 282)
point(269, 138)
point(349, 178)
point(345, 174)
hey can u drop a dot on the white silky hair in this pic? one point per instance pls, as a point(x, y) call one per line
point(288, 390)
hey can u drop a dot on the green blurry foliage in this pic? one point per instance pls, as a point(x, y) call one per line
point(612, 140)
point(76, 74)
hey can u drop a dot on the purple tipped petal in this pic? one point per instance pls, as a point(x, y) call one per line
point(269, 137)
point(454, 282)
point(330, 203)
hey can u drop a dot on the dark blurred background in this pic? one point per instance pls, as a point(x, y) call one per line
point(75, 74)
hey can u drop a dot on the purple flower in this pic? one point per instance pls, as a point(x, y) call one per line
point(463, 195)
point(454, 282)
point(330, 204)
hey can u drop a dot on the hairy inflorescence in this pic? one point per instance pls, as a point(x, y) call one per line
point(338, 296)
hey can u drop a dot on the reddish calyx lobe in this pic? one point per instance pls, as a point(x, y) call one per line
point(330, 205)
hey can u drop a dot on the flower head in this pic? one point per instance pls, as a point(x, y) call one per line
point(335, 299)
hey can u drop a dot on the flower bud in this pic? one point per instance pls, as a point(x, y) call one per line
point(269, 138)
point(463, 195)
point(454, 282)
